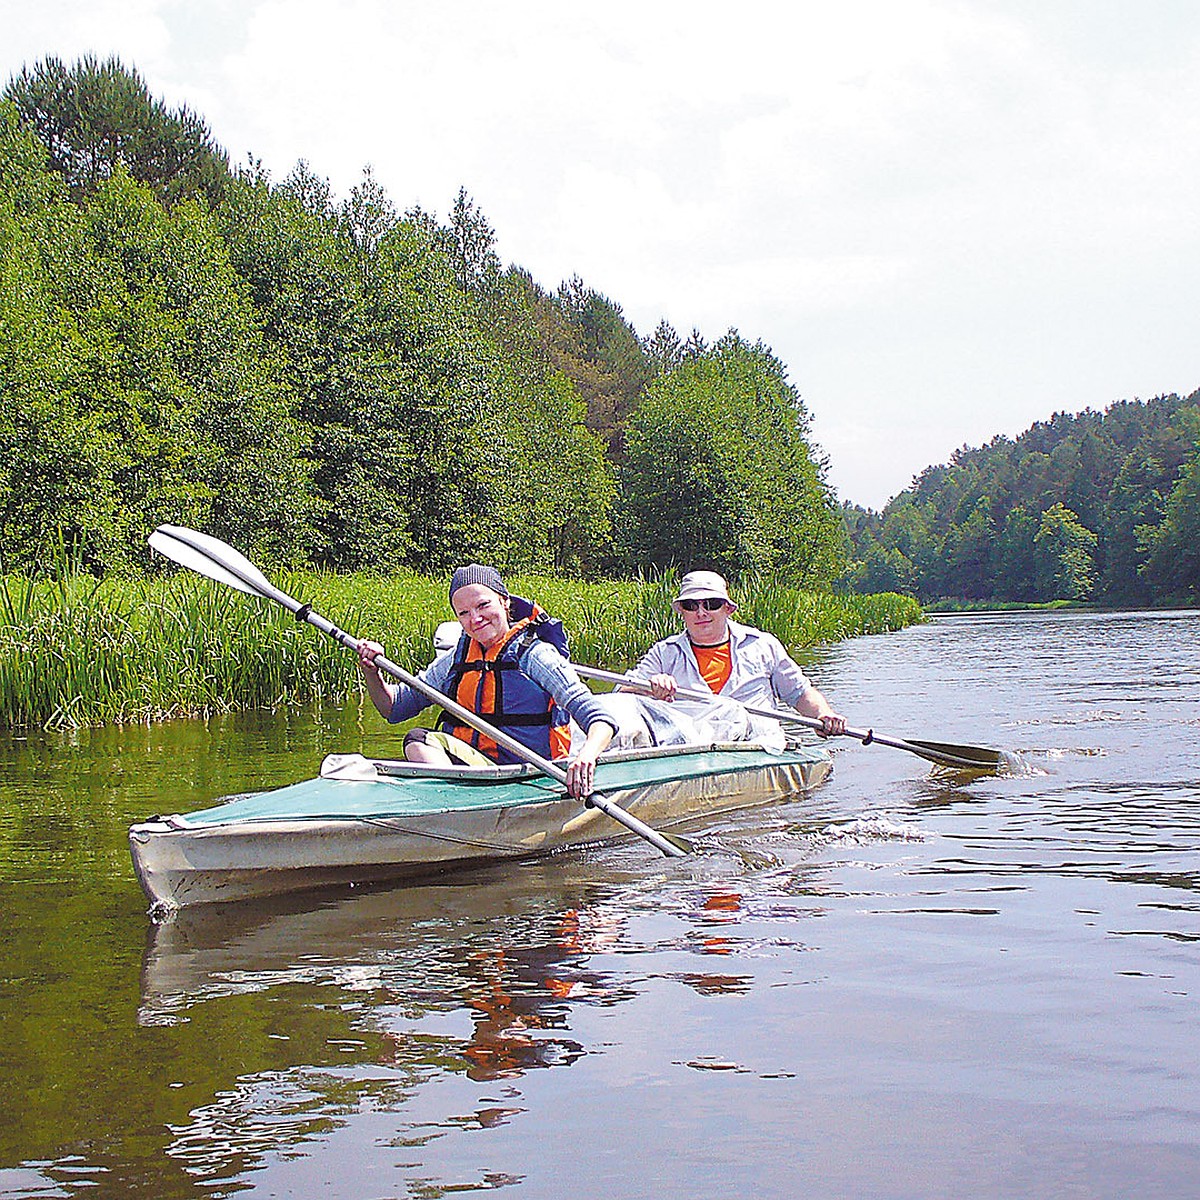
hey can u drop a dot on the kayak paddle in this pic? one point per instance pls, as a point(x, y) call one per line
point(965, 758)
point(209, 556)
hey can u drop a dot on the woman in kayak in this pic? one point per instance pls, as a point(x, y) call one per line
point(512, 671)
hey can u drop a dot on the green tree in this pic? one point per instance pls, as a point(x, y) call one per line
point(191, 395)
point(550, 488)
point(1173, 545)
point(664, 348)
point(1113, 469)
point(306, 271)
point(472, 241)
point(719, 471)
point(439, 430)
point(968, 550)
point(368, 216)
point(94, 116)
point(133, 376)
point(905, 526)
point(609, 342)
point(1136, 502)
point(1066, 566)
point(884, 570)
point(55, 456)
point(1015, 557)
point(585, 336)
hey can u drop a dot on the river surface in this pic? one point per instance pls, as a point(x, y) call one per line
point(904, 985)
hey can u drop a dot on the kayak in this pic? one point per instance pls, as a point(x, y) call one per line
point(370, 821)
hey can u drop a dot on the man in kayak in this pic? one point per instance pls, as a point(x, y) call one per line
point(511, 671)
point(738, 662)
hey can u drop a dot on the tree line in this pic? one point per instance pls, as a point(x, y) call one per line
point(339, 384)
point(1097, 506)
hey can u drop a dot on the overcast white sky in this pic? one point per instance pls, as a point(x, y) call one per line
point(949, 219)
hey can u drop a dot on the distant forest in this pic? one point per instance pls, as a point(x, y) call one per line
point(338, 384)
point(1099, 506)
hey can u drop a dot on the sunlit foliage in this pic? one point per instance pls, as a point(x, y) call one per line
point(1095, 506)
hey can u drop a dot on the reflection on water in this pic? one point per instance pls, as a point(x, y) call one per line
point(420, 953)
point(913, 983)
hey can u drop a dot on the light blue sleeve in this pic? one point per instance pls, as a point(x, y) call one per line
point(409, 702)
point(788, 681)
point(649, 664)
point(663, 658)
point(557, 678)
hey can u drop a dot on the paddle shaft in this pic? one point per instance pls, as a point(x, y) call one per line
point(640, 685)
point(970, 757)
point(253, 581)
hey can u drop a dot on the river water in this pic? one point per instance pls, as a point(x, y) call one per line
point(904, 985)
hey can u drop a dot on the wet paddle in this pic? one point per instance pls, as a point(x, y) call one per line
point(211, 557)
point(945, 754)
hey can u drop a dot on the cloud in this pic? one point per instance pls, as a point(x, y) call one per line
point(949, 219)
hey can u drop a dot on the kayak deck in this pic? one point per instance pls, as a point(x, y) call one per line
point(409, 790)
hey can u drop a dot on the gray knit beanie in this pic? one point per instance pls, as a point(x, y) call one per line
point(474, 573)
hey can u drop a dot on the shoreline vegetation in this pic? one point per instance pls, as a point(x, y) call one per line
point(78, 651)
point(1093, 508)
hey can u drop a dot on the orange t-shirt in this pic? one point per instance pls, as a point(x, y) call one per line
point(715, 664)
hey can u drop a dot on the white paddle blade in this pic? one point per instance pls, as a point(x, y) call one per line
point(209, 556)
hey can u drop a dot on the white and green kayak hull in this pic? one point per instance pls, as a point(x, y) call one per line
point(365, 821)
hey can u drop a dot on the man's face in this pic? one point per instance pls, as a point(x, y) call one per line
point(706, 625)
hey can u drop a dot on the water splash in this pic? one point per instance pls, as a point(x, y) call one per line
point(863, 831)
point(1015, 765)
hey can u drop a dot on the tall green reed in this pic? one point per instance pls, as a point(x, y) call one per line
point(77, 651)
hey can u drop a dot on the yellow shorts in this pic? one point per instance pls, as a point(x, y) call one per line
point(460, 753)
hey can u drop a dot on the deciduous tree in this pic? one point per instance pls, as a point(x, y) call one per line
point(719, 471)
point(1065, 564)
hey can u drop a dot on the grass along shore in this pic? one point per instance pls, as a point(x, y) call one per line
point(77, 651)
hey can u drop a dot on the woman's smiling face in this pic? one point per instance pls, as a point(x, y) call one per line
point(482, 612)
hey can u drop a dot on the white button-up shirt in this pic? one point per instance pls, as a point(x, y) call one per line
point(762, 673)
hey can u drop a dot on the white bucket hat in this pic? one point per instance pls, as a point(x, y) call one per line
point(700, 585)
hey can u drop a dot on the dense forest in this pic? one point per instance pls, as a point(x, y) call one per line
point(335, 383)
point(1098, 506)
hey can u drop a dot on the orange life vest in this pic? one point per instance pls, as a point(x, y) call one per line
point(491, 683)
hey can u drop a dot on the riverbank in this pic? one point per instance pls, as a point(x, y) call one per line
point(950, 607)
point(78, 651)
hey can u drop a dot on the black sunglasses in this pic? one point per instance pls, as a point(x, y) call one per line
point(712, 603)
